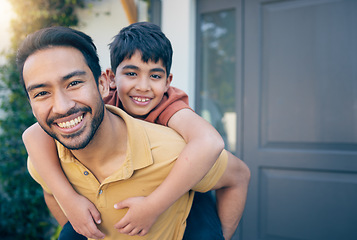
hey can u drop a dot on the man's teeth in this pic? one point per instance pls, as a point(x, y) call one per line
point(71, 123)
point(140, 99)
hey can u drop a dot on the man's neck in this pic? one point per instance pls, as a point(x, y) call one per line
point(107, 150)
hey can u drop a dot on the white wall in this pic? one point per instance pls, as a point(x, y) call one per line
point(178, 24)
point(102, 22)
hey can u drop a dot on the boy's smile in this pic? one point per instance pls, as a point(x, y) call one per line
point(141, 85)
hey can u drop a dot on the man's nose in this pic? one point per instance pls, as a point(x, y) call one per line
point(143, 84)
point(62, 103)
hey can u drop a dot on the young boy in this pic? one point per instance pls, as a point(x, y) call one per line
point(141, 59)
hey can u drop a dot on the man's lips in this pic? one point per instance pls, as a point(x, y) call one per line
point(71, 123)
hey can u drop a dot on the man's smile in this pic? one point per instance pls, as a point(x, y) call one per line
point(71, 123)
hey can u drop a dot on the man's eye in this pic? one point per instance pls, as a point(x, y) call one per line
point(40, 94)
point(74, 83)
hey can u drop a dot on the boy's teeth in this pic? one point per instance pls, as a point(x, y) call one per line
point(139, 99)
point(71, 123)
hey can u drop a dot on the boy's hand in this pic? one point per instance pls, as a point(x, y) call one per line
point(139, 218)
point(81, 216)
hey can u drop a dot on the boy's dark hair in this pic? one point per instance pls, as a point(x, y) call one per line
point(59, 36)
point(145, 37)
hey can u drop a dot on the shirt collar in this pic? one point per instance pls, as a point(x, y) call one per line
point(138, 152)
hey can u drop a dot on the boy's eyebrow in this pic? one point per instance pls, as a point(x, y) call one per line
point(137, 68)
point(158, 70)
point(131, 67)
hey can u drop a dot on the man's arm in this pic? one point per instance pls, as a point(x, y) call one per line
point(55, 209)
point(79, 210)
point(231, 194)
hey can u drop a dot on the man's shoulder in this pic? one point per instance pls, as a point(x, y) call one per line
point(159, 132)
point(155, 132)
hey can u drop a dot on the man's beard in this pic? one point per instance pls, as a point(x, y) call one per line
point(76, 145)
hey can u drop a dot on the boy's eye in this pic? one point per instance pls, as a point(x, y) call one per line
point(130, 74)
point(155, 76)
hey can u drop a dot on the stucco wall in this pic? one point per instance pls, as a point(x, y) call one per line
point(103, 21)
point(178, 23)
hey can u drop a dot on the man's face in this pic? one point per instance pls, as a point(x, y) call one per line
point(64, 95)
point(141, 85)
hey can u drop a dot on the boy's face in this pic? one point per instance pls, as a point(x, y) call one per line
point(64, 95)
point(140, 85)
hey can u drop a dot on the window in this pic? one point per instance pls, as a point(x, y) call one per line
point(216, 80)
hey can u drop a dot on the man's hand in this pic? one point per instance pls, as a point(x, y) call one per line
point(81, 216)
point(139, 218)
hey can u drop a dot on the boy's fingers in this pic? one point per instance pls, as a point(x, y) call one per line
point(122, 204)
point(142, 232)
point(121, 224)
point(95, 232)
point(95, 215)
point(126, 229)
point(98, 235)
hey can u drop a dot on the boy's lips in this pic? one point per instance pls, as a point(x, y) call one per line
point(141, 99)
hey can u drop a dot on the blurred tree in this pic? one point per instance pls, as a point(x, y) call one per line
point(22, 210)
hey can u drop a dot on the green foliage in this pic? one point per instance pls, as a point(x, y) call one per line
point(22, 209)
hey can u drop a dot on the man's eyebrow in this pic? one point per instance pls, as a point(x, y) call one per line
point(64, 78)
point(73, 74)
point(33, 87)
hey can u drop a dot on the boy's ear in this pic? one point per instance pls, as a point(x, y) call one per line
point(168, 81)
point(110, 76)
point(103, 85)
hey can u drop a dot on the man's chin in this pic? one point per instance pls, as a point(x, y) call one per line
point(74, 144)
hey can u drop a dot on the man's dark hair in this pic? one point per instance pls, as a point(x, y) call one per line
point(144, 37)
point(59, 36)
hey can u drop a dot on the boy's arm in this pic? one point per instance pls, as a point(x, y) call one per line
point(231, 194)
point(42, 151)
point(55, 209)
point(204, 145)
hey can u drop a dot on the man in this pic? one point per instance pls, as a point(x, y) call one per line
point(107, 155)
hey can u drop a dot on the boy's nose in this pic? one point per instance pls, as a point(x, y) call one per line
point(62, 103)
point(143, 85)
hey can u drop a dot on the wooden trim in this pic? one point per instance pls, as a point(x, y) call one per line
point(130, 10)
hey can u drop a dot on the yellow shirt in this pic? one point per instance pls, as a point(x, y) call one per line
point(151, 152)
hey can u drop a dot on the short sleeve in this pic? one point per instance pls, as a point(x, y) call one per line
point(212, 177)
point(173, 101)
point(34, 174)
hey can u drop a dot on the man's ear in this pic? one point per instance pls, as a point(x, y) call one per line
point(168, 81)
point(110, 77)
point(103, 85)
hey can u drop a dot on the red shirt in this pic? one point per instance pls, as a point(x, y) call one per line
point(173, 100)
